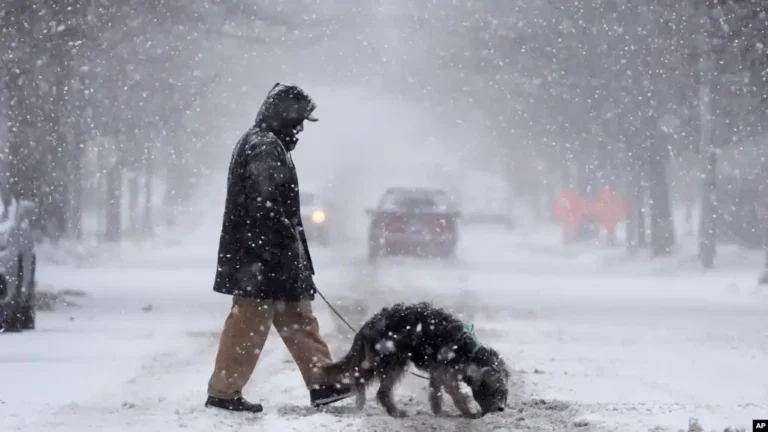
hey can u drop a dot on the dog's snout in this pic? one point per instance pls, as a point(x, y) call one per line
point(500, 409)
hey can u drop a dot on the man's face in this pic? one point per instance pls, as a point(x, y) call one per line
point(299, 128)
point(293, 127)
point(290, 132)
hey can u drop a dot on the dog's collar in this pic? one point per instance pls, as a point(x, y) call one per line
point(469, 330)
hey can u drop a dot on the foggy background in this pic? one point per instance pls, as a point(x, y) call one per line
point(118, 120)
point(117, 115)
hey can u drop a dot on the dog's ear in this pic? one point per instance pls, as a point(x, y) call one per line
point(474, 374)
point(493, 356)
point(495, 359)
point(481, 352)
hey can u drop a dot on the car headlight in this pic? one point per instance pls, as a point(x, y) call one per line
point(318, 216)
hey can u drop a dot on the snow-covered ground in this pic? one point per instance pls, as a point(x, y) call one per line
point(607, 344)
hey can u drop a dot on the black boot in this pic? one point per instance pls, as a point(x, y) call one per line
point(328, 394)
point(238, 404)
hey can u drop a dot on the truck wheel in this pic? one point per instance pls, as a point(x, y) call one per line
point(33, 276)
point(21, 315)
point(9, 319)
point(25, 317)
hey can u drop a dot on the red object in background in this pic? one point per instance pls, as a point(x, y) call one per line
point(570, 208)
point(609, 209)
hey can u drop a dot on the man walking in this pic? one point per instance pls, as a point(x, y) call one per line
point(264, 260)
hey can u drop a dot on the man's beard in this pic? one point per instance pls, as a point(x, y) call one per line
point(289, 138)
point(290, 142)
point(289, 133)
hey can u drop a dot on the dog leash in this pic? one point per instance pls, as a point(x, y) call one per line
point(351, 327)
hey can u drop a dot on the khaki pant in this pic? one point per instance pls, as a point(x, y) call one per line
point(245, 332)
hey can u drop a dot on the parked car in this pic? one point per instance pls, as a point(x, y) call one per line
point(17, 265)
point(316, 215)
point(414, 222)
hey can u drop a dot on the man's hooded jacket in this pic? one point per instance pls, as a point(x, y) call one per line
point(263, 252)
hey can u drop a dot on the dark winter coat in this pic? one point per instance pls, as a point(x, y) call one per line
point(263, 252)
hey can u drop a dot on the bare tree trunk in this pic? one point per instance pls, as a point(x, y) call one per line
point(133, 203)
point(23, 116)
point(635, 193)
point(763, 279)
point(708, 217)
point(101, 194)
point(76, 219)
point(58, 181)
point(78, 120)
point(642, 210)
point(662, 224)
point(631, 226)
point(587, 187)
point(75, 170)
point(21, 153)
point(149, 175)
point(113, 210)
point(762, 212)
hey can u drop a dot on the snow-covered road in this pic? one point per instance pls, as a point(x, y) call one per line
point(614, 348)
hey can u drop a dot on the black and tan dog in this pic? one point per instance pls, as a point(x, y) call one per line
point(434, 341)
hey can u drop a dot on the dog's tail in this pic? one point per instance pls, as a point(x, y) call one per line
point(355, 367)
